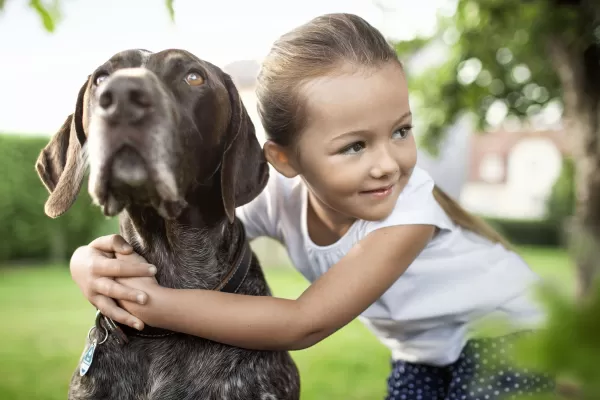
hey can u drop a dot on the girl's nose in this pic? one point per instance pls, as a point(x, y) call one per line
point(385, 165)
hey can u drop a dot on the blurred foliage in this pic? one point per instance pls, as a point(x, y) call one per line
point(569, 345)
point(561, 203)
point(496, 53)
point(27, 233)
point(49, 11)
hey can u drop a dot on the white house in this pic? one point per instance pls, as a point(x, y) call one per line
point(511, 173)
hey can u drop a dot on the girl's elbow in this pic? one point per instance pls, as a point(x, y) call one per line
point(306, 327)
point(307, 341)
point(307, 335)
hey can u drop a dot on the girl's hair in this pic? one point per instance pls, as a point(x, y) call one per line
point(317, 49)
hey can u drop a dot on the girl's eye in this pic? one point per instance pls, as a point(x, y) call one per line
point(402, 133)
point(354, 148)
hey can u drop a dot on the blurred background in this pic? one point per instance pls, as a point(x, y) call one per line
point(506, 99)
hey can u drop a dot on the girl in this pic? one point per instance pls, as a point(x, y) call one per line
point(361, 221)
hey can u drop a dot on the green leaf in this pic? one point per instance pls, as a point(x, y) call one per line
point(170, 9)
point(50, 13)
point(44, 13)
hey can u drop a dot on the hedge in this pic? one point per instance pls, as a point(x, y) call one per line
point(26, 232)
point(541, 232)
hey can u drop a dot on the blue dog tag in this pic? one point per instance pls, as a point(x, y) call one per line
point(87, 359)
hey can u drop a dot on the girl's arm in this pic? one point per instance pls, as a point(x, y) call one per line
point(269, 323)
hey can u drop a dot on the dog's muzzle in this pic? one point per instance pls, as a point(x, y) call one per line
point(131, 144)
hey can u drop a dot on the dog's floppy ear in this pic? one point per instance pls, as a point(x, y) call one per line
point(60, 164)
point(244, 168)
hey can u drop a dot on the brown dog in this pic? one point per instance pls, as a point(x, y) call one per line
point(173, 152)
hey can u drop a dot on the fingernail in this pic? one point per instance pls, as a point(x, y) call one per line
point(137, 326)
point(152, 269)
point(126, 247)
point(141, 298)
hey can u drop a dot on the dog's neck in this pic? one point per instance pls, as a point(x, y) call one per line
point(193, 251)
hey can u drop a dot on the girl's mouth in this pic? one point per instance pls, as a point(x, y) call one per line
point(380, 192)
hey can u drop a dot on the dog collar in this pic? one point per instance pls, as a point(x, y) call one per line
point(231, 283)
point(242, 261)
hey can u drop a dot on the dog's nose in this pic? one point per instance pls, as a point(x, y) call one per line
point(124, 99)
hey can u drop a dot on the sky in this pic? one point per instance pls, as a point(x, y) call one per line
point(41, 72)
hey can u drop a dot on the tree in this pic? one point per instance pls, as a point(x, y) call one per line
point(49, 11)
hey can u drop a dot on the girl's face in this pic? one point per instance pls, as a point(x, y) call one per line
point(357, 150)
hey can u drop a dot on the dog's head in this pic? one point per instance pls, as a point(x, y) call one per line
point(154, 126)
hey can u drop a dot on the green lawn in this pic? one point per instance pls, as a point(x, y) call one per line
point(45, 320)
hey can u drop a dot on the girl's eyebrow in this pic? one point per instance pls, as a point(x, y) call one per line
point(404, 116)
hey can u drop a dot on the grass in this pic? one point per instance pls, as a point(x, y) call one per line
point(45, 320)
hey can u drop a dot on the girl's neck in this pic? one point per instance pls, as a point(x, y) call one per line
point(325, 226)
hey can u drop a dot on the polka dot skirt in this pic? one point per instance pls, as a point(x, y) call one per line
point(482, 372)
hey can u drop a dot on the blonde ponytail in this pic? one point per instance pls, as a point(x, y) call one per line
point(466, 220)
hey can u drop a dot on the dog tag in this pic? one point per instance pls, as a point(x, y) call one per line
point(87, 359)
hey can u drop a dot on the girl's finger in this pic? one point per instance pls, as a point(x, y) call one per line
point(117, 268)
point(110, 309)
point(110, 288)
point(112, 244)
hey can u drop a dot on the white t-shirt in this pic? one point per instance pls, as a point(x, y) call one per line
point(426, 315)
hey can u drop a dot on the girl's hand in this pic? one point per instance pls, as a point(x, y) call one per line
point(94, 269)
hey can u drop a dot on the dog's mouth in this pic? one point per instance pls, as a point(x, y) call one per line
point(128, 178)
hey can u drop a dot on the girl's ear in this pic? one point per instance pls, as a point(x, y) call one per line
point(278, 156)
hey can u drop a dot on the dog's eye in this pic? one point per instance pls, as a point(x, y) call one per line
point(100, 78)
point(194, 79)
